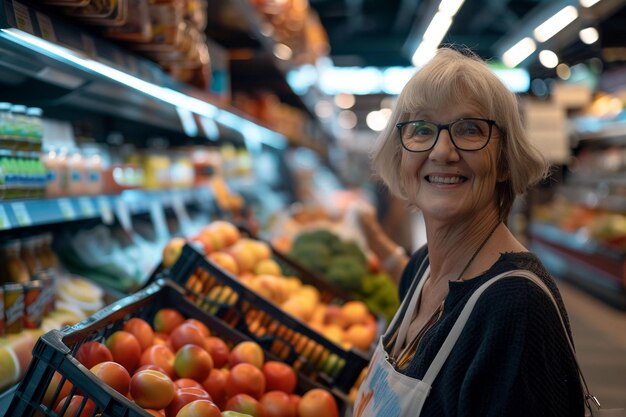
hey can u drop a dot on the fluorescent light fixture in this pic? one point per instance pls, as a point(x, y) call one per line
point(424, 53)
point(179, 100)
point(519, 52)
point(588, 3)
point(556, 23)
point(360, 81)
point(450, 7)
point(589, 35)
point(548, 58)
point(437, 28)
point(395, 78)
point(516, 80)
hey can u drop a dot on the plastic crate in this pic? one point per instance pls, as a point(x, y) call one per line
point(55, 351)
point(221, 294)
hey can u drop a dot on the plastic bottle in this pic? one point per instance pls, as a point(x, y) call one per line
point(19, 127)
point(35, 127)
point(94, 169)
point(5, 116)
point(76, 178)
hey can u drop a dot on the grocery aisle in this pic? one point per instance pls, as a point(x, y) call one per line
point(600, 338)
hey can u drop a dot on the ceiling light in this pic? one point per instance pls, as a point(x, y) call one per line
point(588, 3)
point(450, 7)
point(424, 53)
point(376, 120)
point(437, 28)
point(548, 58)
point(588, 35)
point(344, 100)
point(563, 71)
point(555, 24)
point(347, 119)
point(519, 52)
point(282, 51)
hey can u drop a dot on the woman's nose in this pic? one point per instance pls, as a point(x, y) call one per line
point(444, 150)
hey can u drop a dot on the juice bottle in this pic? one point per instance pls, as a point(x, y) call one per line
point(19, 127)
point(35, 127)
point(5, 115)
point(76, 174)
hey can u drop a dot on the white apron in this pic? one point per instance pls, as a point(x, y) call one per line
point(386, 392)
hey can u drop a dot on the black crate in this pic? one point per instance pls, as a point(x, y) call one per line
point(55, 351)
point(222, 295)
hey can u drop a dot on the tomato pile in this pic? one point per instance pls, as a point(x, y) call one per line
point(176, 368)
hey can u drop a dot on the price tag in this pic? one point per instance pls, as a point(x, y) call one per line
point(22, 18)
point(123, 215)
point(105, 210)
point(67, 210)
point(21, 214)
point(181, 212)
point(46, 27)
point(157, 216)
point(5, 222)
point(87, 207)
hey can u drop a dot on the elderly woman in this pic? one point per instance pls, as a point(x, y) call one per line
point(455, 149)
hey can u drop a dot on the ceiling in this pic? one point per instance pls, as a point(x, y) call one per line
point(385, 32)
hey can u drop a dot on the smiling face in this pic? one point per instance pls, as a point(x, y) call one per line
point(447, 184)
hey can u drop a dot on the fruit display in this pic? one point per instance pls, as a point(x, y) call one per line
point(344, 264)
point(250, 260)
point(284, 332)
point(161, 356)
point(602, 226)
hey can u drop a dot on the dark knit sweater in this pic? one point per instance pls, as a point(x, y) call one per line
point(512, 358)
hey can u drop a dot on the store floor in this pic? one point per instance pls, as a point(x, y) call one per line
point(600, 339)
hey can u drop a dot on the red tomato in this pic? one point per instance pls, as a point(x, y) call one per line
point(184, 396)
point(166, 320)
point(200, 326)
point(186, 334)
point(186, 383)
point(218, 350)
point(152, 389)
point(141, 330)
point(125, 349)
point(279, 377)
point(193, 362)
point(74, 405)
point(114, 375)
point(278, 404)
point(318, 402)
point(199, 408)
point(215, 385)
point(245, 404)
point(245, 378)
point(92, 353)
point(160, 356)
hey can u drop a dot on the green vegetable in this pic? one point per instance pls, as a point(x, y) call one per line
point(313, 255)
point(346, 272)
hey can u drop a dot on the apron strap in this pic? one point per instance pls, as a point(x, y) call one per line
point(457, 328)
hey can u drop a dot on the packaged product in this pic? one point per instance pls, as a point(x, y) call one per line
point(15, 269)
point(102, 12)
point(13, 307)
point(33, 304)
point(138, 26)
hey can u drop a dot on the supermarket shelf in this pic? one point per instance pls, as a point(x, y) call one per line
point(28, 213)
point(588, 194)
point(575, 258)
point(67, 65)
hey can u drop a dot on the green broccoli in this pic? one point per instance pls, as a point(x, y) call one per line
point(346, 272)
point(320, 236)
point(313, 255)
point(351, 249)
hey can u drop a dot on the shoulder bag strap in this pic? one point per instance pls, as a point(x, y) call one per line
point(457, 328)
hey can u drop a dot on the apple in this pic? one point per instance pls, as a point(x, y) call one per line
point(318, 402)
point(193, 362)
point(247, 352)
point(243, 403)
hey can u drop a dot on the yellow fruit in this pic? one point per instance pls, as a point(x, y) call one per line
point(269, 267)
point(353, 312)
point(360, 336)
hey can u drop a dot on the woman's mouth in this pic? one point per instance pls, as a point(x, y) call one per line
point(436, 179)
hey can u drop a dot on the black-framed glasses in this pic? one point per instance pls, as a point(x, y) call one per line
point(467, 134)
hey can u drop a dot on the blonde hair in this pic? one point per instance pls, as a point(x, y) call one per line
point(452, 76)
